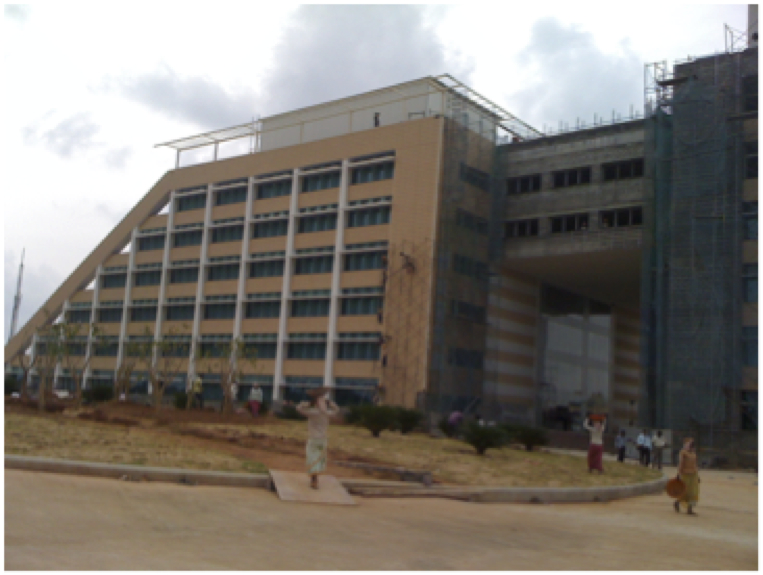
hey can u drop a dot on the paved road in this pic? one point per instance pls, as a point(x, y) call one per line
point(79, 523)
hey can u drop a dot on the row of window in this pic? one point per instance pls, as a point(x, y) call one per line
point(613, 171)
point(470, 267)
point(623, 217)
point(471, 222)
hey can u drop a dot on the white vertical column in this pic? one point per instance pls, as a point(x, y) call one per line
point(286, 286)
point(89, 348)
point(242, 272)
point(59, 368)
point(165, 269)
point(328, 375)
point(126, 302)
point(202, 280)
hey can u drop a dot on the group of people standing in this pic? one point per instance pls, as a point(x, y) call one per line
point(196, 396)
point(650, 448)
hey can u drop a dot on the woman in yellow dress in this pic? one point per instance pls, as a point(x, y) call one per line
point(688, 472)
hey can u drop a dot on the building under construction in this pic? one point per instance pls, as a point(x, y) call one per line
point(422, 245)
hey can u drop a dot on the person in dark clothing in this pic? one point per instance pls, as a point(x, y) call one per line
point(620, 443)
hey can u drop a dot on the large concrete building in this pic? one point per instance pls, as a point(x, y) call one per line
point(421, 240)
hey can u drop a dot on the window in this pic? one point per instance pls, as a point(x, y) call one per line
point(360, 350)
point(362, 305)
point(75, 348)
point(224, 272)
point(365, 261)
point(256, 309)
point(113, 281)
point(314, 265)
point(110, 315)
point(319, 223)
point(750, 219)
point(187, 203)
point(750, 93)
point(270, 229)
point(465, 358)
point(523, 184)
point(175, 349)
point(467, 266)
point(143, 314)
point(306, 350)
point(310, 307)
point(621, 218)
point(320, 182)
point(522, 228)
point(267, 269)
point(750, 346)
point(151, 243)
point(623, 170)
point(569, 223)
point(106, 349)
point(227, 234)
point(261, 350)
point(274, 189)
point(220, 311)
point(179, 312)
point(475, 177)
point(574, 177)
point(750, 282)
point(214, 349)
point(385, 171)
point(471, 222)
point(152, 278)
point(751, 160)
point(187, 239)
point(78, 316)
point(468, 311)
point(184, 275)
point(231, 196)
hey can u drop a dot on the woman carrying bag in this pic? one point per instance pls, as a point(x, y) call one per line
point(688, 473)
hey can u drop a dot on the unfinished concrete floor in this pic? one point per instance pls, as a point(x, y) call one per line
point(78, 523)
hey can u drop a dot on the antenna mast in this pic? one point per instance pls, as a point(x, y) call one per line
point(17, 299)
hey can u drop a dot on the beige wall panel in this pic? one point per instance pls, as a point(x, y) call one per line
point(266, 325)
point(366, 234)
point(229, 211)
point(149, 257)
point(370, 278)
point(625, 394)
point(83, 296)
point(750, 251)
point(117, 260)
point(144, 292)
point(508, 337)
point(304, 367)
point(112, 294)
point(750, 314)
point(522, 318)
point(625, 381)
point(109, 328)
point(750, 378)
point(177, 327)
point(264, 285)
point(320, 198)
point(221, 326)
point(270, 205)
point(260, 367)
point(358, 323)
point(529, 300)
point(369, 369)
point(103, 363)
point(185, 253)
point(307, 325)
point(750, 190)
point(140, 327)
point(315, 240)
point(517, 359)
point(520, 381)
point(189, 217)
point(625, 345)
point(310, 282)
point(223, 287)
point(509, 398)
point(181, 290)
point(158, 221)
point(369, 190)
point(261, 245)
point(624, 362)
point(224, 249)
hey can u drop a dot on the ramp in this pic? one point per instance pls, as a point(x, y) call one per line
point(296, 487)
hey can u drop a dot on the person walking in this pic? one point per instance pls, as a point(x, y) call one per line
point(658, 446)
point(641, 446)
point(596, 446)
point(318, 411)
point(647, 448)
point(620, 443)
point(689, 474)
point(255, 400)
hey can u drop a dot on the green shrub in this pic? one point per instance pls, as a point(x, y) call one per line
point(290, 412)
point(446, 427)
point(483, 438)
point(408, 419)
point(11, 385)
point(98, 394)
point(531, 437)
point(377, 418)
point(181, 400)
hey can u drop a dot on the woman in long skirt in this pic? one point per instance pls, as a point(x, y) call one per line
point(688, 472)
point(596, 447)
point(318, 411)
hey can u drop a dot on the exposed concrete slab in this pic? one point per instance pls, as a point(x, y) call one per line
point(296, 487)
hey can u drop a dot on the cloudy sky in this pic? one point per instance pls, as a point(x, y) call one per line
point(88, 91)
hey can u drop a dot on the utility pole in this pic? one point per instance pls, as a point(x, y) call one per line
point(17, 300)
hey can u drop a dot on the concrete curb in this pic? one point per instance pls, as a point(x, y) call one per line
point(362, 487)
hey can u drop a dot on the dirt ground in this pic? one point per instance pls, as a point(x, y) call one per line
point(77, 523)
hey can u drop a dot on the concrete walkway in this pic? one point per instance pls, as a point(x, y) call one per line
point(55, 521)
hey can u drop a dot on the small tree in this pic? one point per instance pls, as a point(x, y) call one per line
point(161, 359)
point(225, 360)
point(132, 353)
point(531, 436)
point(377, 418)
point(49, 349)
point(74, 356)
point(483, 438)
point(26, 363)
point(408, 419)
